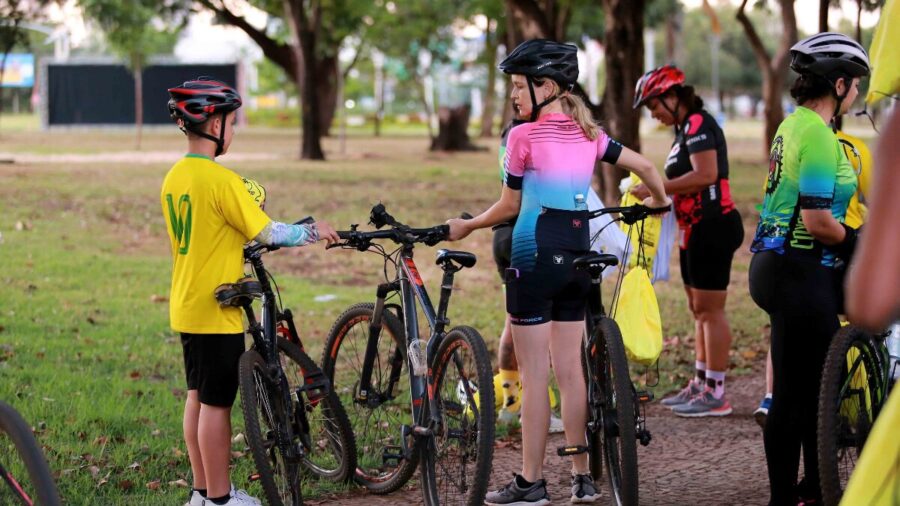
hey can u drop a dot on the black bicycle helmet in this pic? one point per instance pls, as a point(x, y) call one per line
point(541, 58)
point(830, 55)
point(197, 100)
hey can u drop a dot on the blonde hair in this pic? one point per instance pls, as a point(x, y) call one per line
point(575, 107)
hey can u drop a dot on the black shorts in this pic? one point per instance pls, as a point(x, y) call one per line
point(711, 243)
point(211, 366)
point(503, 247)
point(553, 291)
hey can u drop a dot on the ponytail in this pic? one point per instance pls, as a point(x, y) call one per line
point(575, 107)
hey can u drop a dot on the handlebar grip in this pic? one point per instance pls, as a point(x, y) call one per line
point(466, 216)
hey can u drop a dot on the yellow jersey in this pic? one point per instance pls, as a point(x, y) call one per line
point(861, 160)
point(209, 216)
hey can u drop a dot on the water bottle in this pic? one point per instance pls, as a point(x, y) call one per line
point(893, 345)
point(417, 357)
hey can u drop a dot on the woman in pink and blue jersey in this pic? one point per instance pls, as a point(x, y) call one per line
point(548, 167)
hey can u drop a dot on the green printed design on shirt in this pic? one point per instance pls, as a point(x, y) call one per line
point(181, 221)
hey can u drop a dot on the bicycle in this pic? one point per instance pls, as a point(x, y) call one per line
point(856, 380)
point(26, 475)
point(615, 415)
point(293, 418)
point(444, 422)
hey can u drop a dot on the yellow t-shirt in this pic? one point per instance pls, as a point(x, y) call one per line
point(858, 154)
point(209, 216)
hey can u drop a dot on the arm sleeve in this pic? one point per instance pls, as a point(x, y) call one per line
point(517, 151)
point(282, 234)
point(608, 149)
point(240, 210)
point(698, 134)
point(818, 169)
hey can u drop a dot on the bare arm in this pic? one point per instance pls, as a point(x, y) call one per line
point(873, 284)
point(503, 210)
point(705, 172)
point(644, 168)
point(822, 225)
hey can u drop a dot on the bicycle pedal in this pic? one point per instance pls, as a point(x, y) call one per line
point(644, 396)
point(566, 451)
point(644, 437)
point(392, 459)
point(316, 385)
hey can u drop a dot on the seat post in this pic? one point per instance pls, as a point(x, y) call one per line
point(446, 290)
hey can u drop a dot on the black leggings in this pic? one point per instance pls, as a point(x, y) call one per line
point(802, 299)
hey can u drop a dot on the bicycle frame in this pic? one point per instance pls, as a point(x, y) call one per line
point(411, 288)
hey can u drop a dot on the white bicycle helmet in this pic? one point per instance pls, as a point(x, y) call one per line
point(830, 55)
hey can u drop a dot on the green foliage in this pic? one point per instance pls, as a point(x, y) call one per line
point(137, 29)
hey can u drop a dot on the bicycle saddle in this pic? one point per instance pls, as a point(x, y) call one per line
point(238, 294)
point(463, 258)
point(602, 260)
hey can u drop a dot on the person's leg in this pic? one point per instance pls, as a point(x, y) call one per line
point(710, 310)
point(532, 347)
point(509, 369)
point(189, 425)
point(696, 384)
point(770, 379)
point(565, 353)
point(214, 437)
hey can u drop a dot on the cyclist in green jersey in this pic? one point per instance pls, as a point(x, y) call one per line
point(800, 243)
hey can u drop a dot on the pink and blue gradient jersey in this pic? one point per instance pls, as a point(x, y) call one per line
point(551, 161)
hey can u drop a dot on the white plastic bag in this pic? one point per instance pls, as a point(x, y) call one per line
point(611, 240)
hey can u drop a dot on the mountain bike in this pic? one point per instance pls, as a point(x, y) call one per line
point(26, 475)
point(856, 380)
point(615, 416)
point(293, 418)
point(441, 416)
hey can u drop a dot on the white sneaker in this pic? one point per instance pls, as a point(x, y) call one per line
point(556, 425)
point(238, 498)
point(196, 499)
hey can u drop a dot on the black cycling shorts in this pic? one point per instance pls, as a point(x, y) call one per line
point(553, 291)
point(211, 366)
point(711, 243)
point(503, 247)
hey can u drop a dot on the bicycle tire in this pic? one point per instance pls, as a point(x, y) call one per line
point(330, 445)
point(40, 486)
point(342, 364)
point(457, 471)
point(618, 423)
point(847, 408)
point(279, 478)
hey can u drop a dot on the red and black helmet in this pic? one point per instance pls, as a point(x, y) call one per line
point(656, 82)
point(196, 100)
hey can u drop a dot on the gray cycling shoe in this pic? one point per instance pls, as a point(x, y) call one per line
point(513, 495)
point(683, 397)
point(583, 489)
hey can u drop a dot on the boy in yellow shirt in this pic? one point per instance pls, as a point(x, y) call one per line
point(209, 217)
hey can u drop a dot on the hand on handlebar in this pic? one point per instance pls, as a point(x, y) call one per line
point(641, 191)
point(653, 203)
point(327, 233)
point(459, 229)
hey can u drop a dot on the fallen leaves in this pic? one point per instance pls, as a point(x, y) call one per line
point(158, 298)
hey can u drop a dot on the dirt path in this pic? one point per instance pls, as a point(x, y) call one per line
point(689, 462)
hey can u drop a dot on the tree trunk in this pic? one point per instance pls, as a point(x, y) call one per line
point(138, 103)
point(6, 51)
point(624, 45)
point(823, 15)
point(859, 9)
point(326, 92)
point(490, 89)
point(773, 68)
point(453, 135)
point(310, 129)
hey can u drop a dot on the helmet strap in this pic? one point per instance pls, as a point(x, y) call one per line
point(839, 98)
point(674, 112)
point(220, 140)
point(536, 107)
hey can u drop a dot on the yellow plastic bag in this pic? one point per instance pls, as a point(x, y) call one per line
point(637, 315)
point(651, 229)
point(875, 481)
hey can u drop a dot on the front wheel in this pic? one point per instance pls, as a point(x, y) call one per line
point(850, 394)
point(322, 425)
point(456, 464)
point(613, 405)
point(264, 417)
point(24, 471)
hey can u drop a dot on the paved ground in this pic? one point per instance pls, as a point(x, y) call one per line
point(689, 462)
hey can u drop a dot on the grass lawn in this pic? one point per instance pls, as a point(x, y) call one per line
point(86, 354)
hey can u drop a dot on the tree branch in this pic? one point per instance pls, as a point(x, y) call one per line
point(759, 50)
point(530, 18)
point(788, 37)
point(277, 52)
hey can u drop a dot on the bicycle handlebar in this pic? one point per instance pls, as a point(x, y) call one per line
point(631, 214)
point(398, 232)
point(258, 248)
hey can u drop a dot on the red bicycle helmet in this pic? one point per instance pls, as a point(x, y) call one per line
point(196, 100)
point(656, 82)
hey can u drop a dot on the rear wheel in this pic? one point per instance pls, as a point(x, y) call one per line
point(263, 413)
point(849, 397)
point(456, 467)
point(615, 396)
point(25, 476)
point(323, 426)
point(382, 464)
